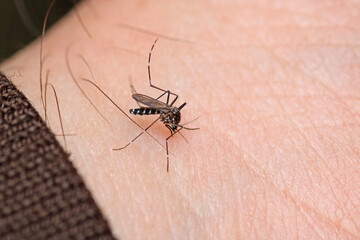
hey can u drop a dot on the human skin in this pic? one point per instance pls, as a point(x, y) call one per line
point(276, 86)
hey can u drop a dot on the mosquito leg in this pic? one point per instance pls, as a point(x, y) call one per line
point(167, 145)
point(149, 61)
point(168, 97)
point(121, 148)
point(167, 156)
point(144, 130)
point(173, 101)
point(167, 149)
point(149, 72)
point(120, 109)
point(134, 92)
point(168, 94)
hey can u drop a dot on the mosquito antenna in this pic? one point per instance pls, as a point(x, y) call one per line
point(184, 137)
point(191, 121)
point(190, 128)
point(182, 127)
point(78, 85)
point(58, 107)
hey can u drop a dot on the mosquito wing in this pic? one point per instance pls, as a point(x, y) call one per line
point(150, 102)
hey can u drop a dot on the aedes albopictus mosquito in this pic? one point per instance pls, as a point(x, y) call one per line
point(169, 114)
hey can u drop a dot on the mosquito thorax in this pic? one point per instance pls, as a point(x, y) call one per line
point(171, 118)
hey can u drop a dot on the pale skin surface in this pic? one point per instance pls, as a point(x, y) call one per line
point(276, 86)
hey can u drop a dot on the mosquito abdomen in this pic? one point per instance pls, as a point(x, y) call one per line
point(144, 111)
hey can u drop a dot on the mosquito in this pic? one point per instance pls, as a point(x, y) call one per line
point(169, 114)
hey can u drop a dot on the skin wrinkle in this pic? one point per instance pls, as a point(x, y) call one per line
point(284, 115)
point(193, 208)
point(236, 199)
point(329, 171)
point(169, 219)
point(331, 189)
point(136, 199)
point(289, 13)
point(290, 42)
point(337, 180)
point(145, 193)
point(222, 186)
point(314, 150)
point(131, 191)
point(267, 214)
point(328, 89)
point(279, 101)
point(192, 204)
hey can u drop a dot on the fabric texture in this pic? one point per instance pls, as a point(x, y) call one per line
point(41, 194)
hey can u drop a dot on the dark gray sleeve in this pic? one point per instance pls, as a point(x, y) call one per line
point(41, 194)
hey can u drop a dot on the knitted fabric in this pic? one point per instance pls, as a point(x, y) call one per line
point(41, 194)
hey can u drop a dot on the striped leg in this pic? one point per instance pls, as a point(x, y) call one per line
point(144, 131)
point(153, 86)
point(167, 145)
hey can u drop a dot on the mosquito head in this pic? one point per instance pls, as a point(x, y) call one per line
point(173, 117)
point(182, 105)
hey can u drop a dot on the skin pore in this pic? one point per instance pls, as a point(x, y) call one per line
point(276, 86)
